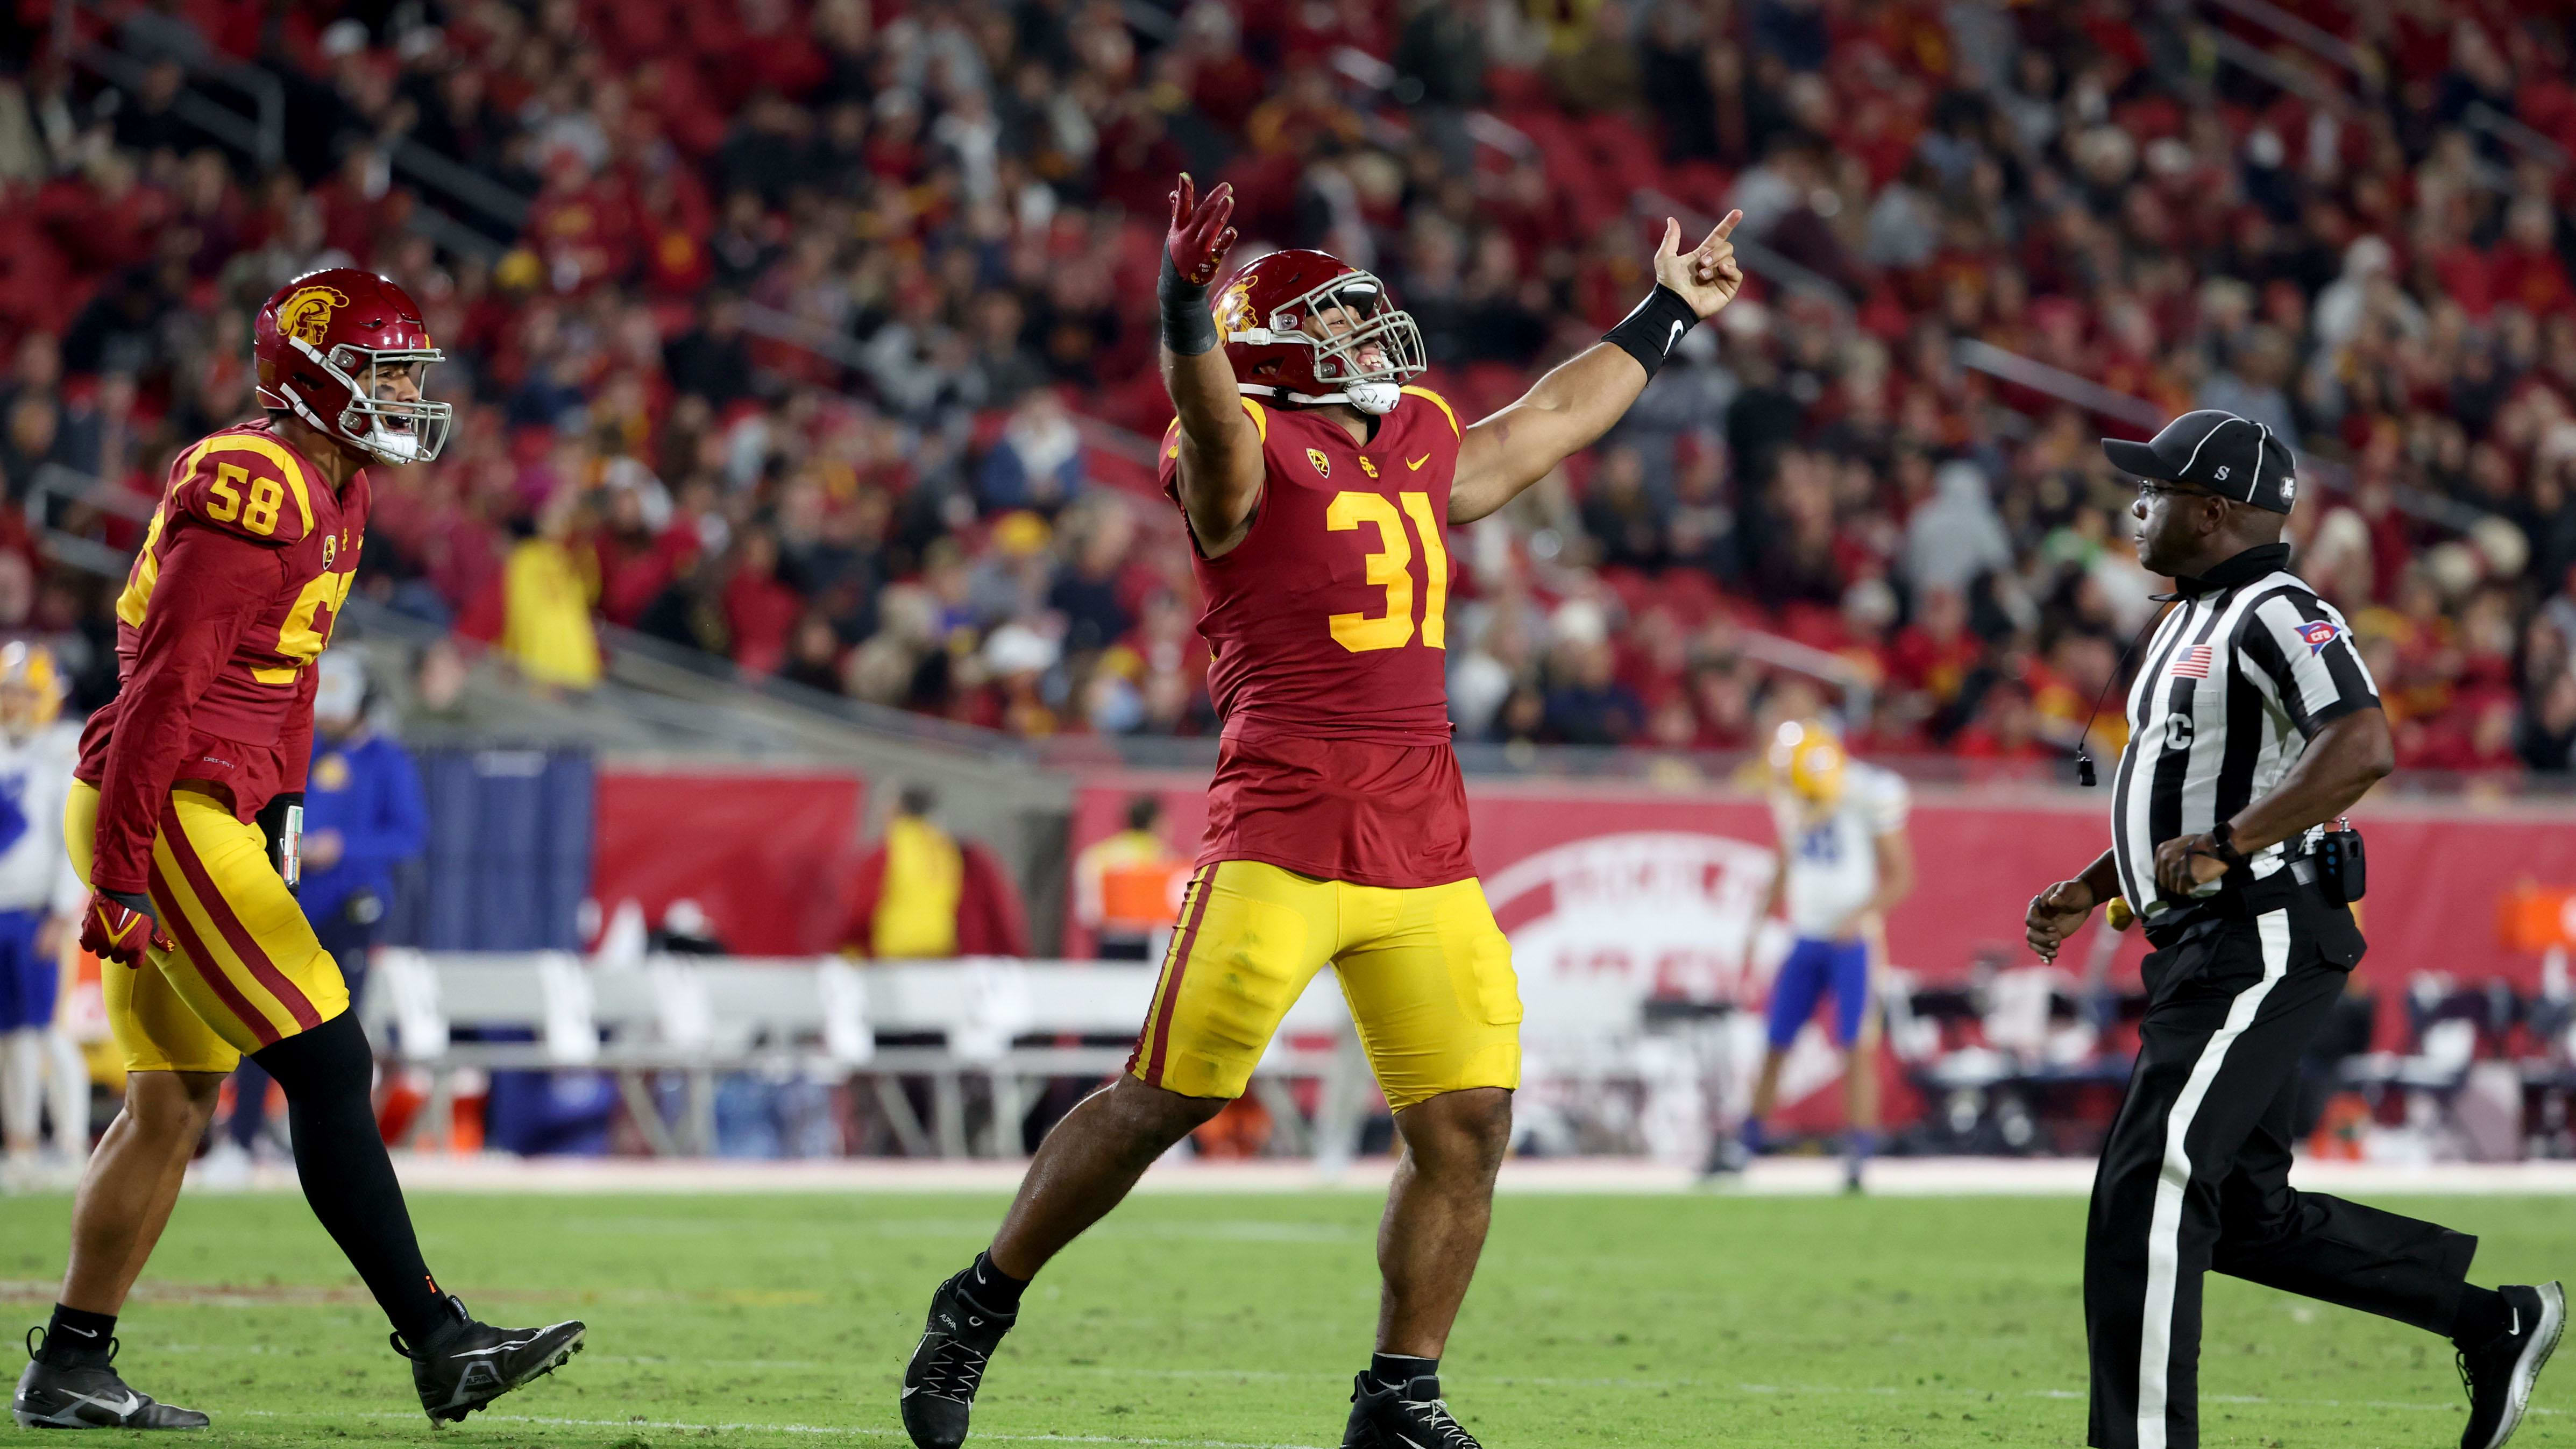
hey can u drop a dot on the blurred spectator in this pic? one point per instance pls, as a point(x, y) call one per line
point(1127, 886)
point(1038, 461)
point(545, 607)
point(1956, 537)
point(925, 895)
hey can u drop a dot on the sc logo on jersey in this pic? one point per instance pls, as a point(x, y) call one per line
point(2178, 731)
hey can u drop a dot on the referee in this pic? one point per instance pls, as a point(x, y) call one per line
point(2252, 724)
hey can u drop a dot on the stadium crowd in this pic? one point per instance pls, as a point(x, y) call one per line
point(824, 342)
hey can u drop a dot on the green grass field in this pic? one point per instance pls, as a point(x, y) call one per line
point(1190, 1320)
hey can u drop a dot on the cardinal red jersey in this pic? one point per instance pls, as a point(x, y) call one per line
point(239, 583)
point(1328, 652)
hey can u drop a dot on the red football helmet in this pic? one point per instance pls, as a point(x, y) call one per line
point(1304, 327)
point(324, 345)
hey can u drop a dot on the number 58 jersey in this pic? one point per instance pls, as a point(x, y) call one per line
point(241, 577)
point(1328, 650)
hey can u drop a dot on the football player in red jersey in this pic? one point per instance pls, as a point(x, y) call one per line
point(182, 822)
point(1318, 487)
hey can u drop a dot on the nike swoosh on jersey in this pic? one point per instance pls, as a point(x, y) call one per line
point(1416, 463)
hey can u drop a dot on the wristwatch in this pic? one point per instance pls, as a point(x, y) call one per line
point(2222, 845)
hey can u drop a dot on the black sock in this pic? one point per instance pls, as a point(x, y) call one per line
point(1395, 1370)
point(2482, 1315)
point(348, 1179)
point(77, 1339)
point(992, 1288)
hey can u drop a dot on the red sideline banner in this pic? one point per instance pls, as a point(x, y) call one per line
point(1654, 889)
point(769, 856)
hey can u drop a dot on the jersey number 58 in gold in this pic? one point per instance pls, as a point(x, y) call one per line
point(1391, 568)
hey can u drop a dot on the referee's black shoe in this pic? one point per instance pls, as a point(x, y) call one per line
point(2499, 1373)
point(88, 1395)
point(467, 1364)
point(948, 1365)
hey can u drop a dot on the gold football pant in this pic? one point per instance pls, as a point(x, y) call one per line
point(1427, 973)
point(248, 971)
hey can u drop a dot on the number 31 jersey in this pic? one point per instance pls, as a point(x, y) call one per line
point(242, 574)
point(1328, 646)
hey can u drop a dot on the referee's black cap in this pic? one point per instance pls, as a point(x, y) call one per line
point(2218, 452)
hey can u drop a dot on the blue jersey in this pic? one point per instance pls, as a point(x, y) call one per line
point(365, 788)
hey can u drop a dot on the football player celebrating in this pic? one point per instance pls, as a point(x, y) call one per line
point(187, 782)
point(1843, 863)
point(1318, 488)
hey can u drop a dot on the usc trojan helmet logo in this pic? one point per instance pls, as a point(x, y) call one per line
point(307, 315)
point(1234, 311)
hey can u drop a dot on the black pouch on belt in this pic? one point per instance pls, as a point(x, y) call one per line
point(2342, 872)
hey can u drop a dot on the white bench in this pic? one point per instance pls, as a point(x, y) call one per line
point(702, 1017)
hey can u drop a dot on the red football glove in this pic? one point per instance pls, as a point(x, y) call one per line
point(1199, 238)
point(115, 928)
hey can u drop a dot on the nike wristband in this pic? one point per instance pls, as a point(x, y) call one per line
point(1650, 333)
point(1187, 328)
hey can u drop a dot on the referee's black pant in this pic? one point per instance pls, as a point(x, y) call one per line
point(2195, 1174)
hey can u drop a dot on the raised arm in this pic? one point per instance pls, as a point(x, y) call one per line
point(1578, 401)
point(1220, 463)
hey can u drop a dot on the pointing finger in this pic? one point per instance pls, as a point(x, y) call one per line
point(1726, 228)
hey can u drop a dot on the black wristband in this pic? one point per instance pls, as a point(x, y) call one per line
point(1187, 328)
point(1650, 333)
point(2222, 845)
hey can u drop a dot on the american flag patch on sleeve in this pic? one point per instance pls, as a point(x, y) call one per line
point(2194, 662)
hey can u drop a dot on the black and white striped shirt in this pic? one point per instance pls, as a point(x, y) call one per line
point(2241, 672)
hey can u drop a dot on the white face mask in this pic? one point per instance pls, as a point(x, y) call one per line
point(411, 431)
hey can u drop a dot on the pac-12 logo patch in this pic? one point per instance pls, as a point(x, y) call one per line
point(1323, 465)
point(2319, 633)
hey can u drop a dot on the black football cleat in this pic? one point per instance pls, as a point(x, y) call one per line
point(467, 1364)
point(51, 1396)
point(948, 1365)
point(2499, 1373)
point(1402, 1416)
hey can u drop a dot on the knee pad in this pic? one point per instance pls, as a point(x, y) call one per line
point(332, 1058)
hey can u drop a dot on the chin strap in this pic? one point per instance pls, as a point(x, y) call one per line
point(1378, 399)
